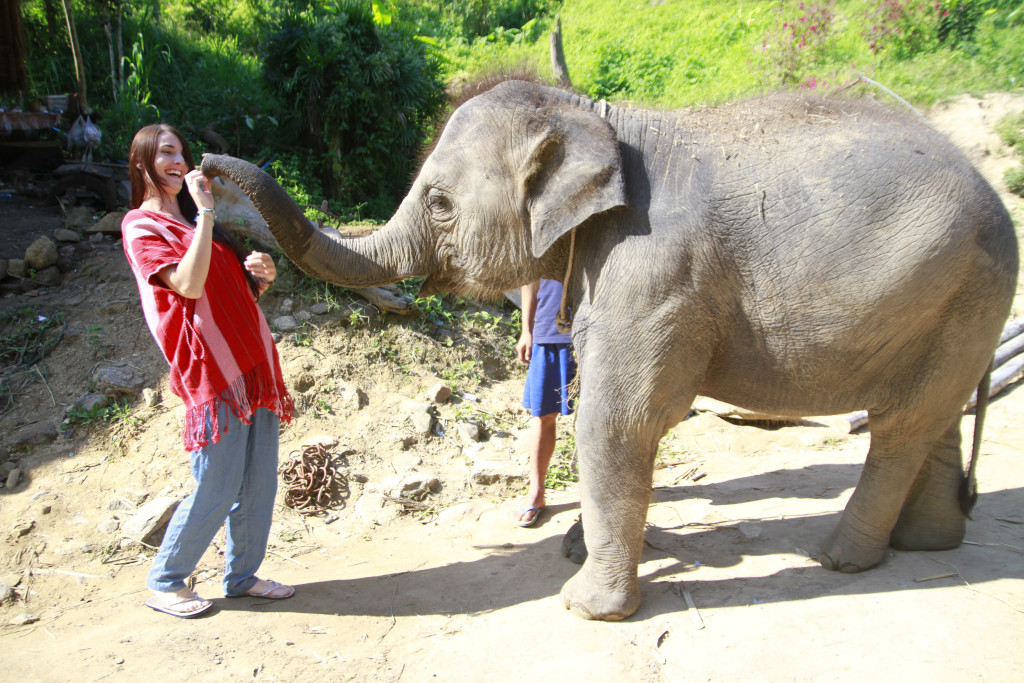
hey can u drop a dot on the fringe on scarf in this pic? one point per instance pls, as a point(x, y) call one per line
point(258, 383)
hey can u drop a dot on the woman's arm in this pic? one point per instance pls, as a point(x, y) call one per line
point(188, 276)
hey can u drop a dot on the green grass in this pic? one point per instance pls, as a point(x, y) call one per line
point(706, 52)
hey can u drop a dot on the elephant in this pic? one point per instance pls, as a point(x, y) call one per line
point(788, 254)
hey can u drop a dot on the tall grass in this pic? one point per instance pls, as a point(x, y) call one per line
point(677, 53)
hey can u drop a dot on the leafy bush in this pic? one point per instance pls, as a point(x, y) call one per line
point(1011, 131)
point(362, 95)
point(466, 20)
point(1014, 179)
point(906, 28)
point(801, 38)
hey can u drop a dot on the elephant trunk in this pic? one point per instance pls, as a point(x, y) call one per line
point(386, 256)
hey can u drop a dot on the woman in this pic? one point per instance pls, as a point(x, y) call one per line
point(199, 292)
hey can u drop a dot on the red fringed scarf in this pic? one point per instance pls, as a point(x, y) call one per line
point(219, 345)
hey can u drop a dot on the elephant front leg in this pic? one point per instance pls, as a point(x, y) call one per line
point(615, 472)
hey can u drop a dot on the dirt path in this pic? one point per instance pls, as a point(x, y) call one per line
point(730, 589)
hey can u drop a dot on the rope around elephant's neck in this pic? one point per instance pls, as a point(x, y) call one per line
point(563, 321)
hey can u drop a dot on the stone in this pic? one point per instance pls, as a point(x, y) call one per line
point(41, 254)
point(373, 508)
point(108, 225)
point(487, 472)
point(286, 323)
point(6, 593)
point(463, 513)
point(16, 267)
point(118, 379)
point(439, 393)
point(468, 431)
point(13, 477)
point(62, 235)
point(90, 402)
point(422, 423)
point(351, 396)
point(319, 308)
point(750, 531)
point(96, 238)
point(110, 526)
point(5, 468)
point(20, 529)
point(415, 485)
point(3, 268)
point(303, 316)
point(146, 524)
point(286, 306)
point(24, 619)
point(78, 218)
point(151, 397)
point(48, 276)
point(65, 235)
point(35, 434)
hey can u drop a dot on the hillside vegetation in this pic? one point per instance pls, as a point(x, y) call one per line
point(335, 97)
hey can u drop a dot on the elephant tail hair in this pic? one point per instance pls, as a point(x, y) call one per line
point(969, 485)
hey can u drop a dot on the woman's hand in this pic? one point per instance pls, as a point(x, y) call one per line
point(262, 268)
point(199, 187)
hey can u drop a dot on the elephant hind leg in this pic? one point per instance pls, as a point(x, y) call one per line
point(894, 461)
point(931, 518)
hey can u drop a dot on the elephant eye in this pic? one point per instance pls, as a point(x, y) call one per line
point(441, 207)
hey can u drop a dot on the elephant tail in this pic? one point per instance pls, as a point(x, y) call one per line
point(969, 485)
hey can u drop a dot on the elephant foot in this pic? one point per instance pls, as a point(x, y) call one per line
point(573, 545)
point(586, 599)
point(840, 555)
point(928, 533)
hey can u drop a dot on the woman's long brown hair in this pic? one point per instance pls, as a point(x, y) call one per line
point(142, 172)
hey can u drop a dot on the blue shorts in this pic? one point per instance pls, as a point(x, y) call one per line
point(552, 368)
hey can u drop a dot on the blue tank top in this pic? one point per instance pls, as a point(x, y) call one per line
point(549, 300)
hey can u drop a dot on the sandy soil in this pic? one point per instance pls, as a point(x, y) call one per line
point(455, 591)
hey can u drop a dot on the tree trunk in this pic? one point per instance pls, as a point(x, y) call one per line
point(76, 52)
point(110, 53)
point(12, 48)
point(558, 56)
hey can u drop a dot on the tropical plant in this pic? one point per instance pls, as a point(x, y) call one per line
point(363, 95)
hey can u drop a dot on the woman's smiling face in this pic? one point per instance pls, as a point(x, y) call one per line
point(169, 164)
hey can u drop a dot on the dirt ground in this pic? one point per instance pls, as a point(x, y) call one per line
point(453, 590)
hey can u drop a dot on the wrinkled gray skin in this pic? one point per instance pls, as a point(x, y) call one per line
point(788, 255)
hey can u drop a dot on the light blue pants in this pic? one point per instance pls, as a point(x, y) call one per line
point(236, 480)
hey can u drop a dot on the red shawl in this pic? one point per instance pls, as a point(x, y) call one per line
point(219, 345)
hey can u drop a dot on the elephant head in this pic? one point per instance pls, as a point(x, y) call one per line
point(514, 169)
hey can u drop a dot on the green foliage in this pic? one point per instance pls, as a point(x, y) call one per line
point(564, 467)
point(1014, 179)
point(464, 21)
point(626, 70)
point(365, 96)
point(1011, 130)
point(801, 41)
point(26, 336)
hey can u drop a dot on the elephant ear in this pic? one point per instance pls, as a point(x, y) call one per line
point(573, 172)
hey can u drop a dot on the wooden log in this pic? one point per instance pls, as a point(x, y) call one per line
point(558, 65)
point(1008, 349)
point(1012, 329)
point(1001, 378)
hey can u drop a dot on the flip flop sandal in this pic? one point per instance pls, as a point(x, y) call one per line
point(157, 602)
point(289, 591)
point(532, 520)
